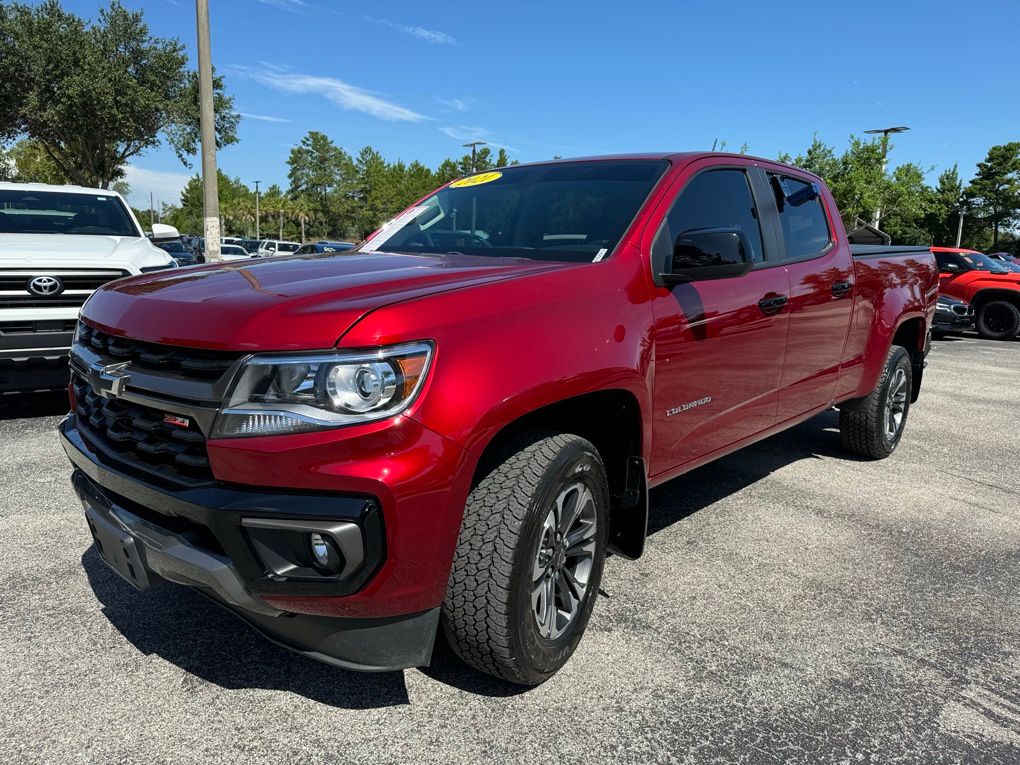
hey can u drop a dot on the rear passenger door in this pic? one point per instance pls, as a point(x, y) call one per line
point(820, 268)
point(718, 344)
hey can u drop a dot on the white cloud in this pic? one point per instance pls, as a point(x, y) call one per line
point(339, 92)
point(466, 134)
point(456, 104)
point(426, 35)
point(165, 186)
point(287, 5)
point(262, 117)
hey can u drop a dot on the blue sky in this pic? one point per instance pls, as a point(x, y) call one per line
point(416, 80)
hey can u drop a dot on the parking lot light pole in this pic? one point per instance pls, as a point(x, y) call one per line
point(884, 132)
point(474, 145)
point(960, 203)
point(210, 193)
point(257, 210)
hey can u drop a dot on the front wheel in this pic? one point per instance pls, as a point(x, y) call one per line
point(872, 426)
point(529, 559)
point(998, 320)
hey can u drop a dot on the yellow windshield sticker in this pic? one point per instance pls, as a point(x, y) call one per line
point(475, 180)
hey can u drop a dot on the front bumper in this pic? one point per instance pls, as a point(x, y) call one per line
point(33, 360)
point(203, 537)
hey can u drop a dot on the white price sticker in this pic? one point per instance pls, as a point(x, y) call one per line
point(391, 228)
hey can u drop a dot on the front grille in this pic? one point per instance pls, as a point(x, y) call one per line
point(189, 362)
point(76, 286)
point(140, 436)
point(26, 327)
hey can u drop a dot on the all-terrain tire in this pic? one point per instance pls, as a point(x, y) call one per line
point(865, 426)
point(998, 320)
point(488, 614)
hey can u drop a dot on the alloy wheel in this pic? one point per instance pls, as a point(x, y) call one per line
point(895, 404)
point(563, 561)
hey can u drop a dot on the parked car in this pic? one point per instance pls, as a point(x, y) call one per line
point(988, 285)
point(250, 245)
point(270, 247)
point(180, 252)
point(1005, 260)
point(1005, 257)
point(307, 249)
point(951, 315)
point(234, 252)
point(491, 419)
point(57, 245)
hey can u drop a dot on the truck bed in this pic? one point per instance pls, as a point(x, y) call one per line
point(884, 250)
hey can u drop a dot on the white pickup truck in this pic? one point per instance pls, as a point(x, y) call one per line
point(57, 245)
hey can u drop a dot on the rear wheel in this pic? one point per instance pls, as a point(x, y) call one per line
point(529, 559)
point(872, 426)
point(998, 320)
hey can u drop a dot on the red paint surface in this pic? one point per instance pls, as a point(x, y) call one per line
point(512, 336)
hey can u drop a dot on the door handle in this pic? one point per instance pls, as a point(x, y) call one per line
point(772, 304)
point(839, 289)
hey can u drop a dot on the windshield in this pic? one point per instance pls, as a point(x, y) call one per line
point(574, 211)
point(27, 211)
point(981, 262)
point(174, 247)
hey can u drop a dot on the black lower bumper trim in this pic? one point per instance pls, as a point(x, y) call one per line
point(363, 645)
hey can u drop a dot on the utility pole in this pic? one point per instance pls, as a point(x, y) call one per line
point(474, 145)
point(257, 209)
point(877, 219)
point(151, 213)
point(210, 194)
point(959, 222)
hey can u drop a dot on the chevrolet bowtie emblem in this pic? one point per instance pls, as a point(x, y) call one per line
point(112, 379)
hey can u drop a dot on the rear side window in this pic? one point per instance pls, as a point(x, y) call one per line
point(713, 199)
point(805, 227)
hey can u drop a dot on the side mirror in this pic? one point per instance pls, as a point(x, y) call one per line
point(162, 231)
point(709, 253)
point(952, 268)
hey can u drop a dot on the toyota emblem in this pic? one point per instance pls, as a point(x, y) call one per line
point(45, 285)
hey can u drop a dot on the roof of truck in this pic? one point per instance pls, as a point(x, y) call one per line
point(60, 188)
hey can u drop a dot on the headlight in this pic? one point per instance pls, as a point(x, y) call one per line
point(292, 394)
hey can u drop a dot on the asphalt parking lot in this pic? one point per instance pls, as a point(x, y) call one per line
point(794, 605)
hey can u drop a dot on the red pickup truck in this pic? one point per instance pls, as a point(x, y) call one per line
point(991, 286)
point(453, 423)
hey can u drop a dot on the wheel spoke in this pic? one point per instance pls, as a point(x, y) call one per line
point(567, 596)
point(581, 541)
point(550, 603)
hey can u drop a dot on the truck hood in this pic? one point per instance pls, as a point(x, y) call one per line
point(78, 251)
point(301, 302)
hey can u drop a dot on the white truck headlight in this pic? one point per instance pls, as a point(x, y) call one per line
point(291, 394)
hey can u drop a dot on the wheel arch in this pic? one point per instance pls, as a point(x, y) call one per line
point(911, 334)
point(988, 294)
point(611, 420)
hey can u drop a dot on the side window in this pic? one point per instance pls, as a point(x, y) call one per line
point(946, 258)
point(805, 226)
point(713, 199)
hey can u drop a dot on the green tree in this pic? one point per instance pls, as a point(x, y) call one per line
point(27, 162)
point(324, 174)
point(906, 201)
point(994, 193)
point(942, 217)
point(95, 95)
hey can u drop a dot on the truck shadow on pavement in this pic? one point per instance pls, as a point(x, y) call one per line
point(685, 495)
point(214, 646)
point(17, 406)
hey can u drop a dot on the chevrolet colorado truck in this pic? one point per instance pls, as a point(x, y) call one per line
point(57, 245)
point(452, 424)
point(991, 286)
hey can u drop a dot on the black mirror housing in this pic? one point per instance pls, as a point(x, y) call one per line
point(709, 253)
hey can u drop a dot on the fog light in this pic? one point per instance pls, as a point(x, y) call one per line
point(324, 552)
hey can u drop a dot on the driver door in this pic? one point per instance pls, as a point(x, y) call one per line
point(719, 344)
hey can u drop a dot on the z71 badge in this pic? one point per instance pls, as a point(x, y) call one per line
point(175, 420)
